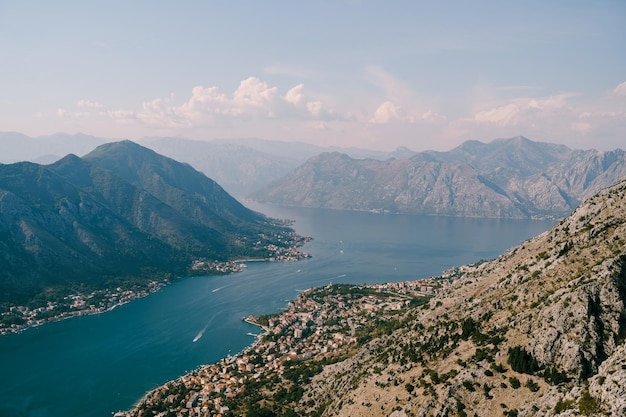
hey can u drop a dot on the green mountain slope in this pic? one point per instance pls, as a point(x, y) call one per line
point(121, 211)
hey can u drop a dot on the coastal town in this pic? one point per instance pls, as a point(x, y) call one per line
point(320, 326)
point(17, 318)
point(21, 317)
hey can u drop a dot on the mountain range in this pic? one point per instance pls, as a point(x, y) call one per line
point(240, 166)
point(17, 147)
point(506, 178)
point(120, 211)
point(243, 166)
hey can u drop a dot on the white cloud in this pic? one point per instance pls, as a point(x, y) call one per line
point(203, 103)
point(258, 108)
point(567, 118)
point(161, 112)
point(207, 106)
point(503, 115)
point(394, 89)
point(295, 96)
point(431, 116)
point(320, 111)
point(122, 116)
point(620, 90)
point(315, 108)
point(399, 102)
point(253, 92)
point(88, 104)
point(604, 115)
point(388, 112)
point(580, 127)
point(516, 111)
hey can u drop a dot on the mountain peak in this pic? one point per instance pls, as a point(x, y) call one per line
point(516, 140)
point(121, 211)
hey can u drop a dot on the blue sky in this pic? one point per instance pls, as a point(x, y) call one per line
point(372, 74)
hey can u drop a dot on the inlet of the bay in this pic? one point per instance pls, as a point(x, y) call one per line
point(96, 365)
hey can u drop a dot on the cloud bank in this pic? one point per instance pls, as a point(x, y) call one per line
point(253, 99)
point(392, 116)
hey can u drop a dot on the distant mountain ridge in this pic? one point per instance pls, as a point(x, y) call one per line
point(121, 210)
point(17, 147)
point(241, 166)
point(506, 178)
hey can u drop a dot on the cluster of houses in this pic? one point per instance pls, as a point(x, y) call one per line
point(73, 305)
point(320, 323)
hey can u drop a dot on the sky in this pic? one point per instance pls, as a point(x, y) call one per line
point(368, 74)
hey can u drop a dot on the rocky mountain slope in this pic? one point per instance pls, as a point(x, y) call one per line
point(121, 211)
point(539, 331)
point(509, 178)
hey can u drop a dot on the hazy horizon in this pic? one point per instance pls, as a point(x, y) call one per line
point(427, 76)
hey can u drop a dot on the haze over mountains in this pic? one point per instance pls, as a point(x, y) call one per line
point(120, 211)
point(240, 166)
point(507, 178)
point(17, 147)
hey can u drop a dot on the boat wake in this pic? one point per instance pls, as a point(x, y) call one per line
point(199, 335)
point(201, 332)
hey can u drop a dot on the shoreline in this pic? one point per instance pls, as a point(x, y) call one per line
point(111, 300)
point(83, 312)
point(299, 334)
point(257, 340)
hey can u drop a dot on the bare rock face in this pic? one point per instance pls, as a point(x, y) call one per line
point(610, 383)
point(510, 178)
point(539, 331)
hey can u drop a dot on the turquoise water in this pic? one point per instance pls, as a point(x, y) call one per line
point(95, 365)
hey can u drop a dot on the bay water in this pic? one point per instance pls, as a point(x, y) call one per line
point(96, 365)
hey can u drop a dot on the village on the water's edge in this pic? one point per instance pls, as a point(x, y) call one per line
point(322, 325)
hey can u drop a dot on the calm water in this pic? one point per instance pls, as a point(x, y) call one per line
point(95, 365)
